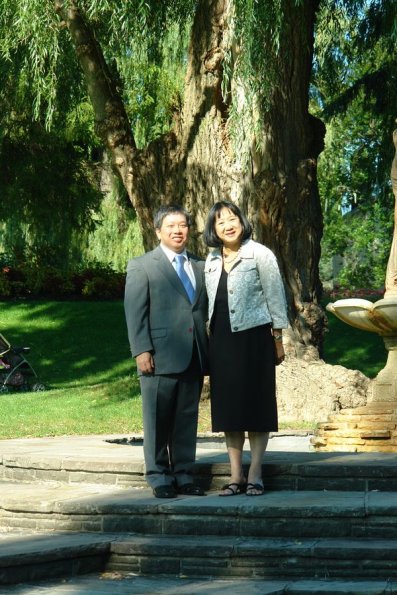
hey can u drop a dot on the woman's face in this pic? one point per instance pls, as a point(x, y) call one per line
point(228, 228)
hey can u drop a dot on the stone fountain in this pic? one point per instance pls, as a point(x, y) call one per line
point(374, 426)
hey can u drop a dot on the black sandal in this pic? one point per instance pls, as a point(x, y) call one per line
point(234, 488)
point(254, 486)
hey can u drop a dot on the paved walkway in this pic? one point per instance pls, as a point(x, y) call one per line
point(114, 459)
point(107, 447)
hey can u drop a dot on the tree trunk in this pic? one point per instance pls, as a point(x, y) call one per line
point(195, 164)
point(277, 187)
point(284, 193)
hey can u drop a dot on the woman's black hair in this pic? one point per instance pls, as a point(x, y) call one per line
point(209, 235)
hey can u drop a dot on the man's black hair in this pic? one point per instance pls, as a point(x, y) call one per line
point(165, 210)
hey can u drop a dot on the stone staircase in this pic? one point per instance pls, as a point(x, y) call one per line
point(327, 521)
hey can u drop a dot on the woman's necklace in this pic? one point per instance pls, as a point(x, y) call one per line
point(227, 259)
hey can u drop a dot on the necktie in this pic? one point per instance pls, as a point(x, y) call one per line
point(184, 277)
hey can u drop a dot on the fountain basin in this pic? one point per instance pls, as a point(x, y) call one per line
point(379, 317)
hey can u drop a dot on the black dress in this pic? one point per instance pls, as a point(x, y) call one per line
point(242, 373)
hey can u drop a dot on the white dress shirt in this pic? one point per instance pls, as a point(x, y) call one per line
point(170, 254)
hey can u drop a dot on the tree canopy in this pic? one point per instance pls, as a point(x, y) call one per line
point(355, 93)
point(194, 101)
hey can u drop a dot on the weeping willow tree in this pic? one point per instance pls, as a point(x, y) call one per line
point(242, 128)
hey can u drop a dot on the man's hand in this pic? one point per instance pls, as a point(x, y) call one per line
point(145, 362)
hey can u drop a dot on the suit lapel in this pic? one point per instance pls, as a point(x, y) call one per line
point(165, 268)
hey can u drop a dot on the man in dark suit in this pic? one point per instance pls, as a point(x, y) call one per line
point(166, 313)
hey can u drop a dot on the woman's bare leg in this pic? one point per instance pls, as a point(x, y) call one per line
point(258, 443)
point(235, 444)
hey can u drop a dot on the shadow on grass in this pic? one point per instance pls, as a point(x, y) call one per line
point(353, 348)
point(74, 343)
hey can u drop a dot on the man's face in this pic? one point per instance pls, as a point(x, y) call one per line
point(174, 232)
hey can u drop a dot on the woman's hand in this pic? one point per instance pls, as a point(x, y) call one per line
point(279, 352)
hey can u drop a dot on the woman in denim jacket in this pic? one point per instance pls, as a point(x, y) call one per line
point(247, 312)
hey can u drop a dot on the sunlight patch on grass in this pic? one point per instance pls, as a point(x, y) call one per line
point(83, 362)
point(113, 409)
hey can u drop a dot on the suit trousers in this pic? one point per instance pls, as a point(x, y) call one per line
point(170, 414)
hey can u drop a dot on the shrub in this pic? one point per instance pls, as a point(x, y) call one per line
point(339, 293)
point(5, 289)
point(95, 281)
point(100, 282)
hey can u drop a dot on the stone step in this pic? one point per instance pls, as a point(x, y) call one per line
point(106, 509)
point(195, 556)
point(115, 583)
point(288, 563)
point(326, 522)
point(26, 557)
point(28, 461)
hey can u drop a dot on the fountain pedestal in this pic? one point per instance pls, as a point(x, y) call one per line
point(374, 426)
point(384, 388)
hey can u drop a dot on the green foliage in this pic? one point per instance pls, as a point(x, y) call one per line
point(364, 240)
point(47, 280)
point(103, 283)
point(48, 192)
point(31, 31)
point(5, 286)
point(52, 211)
point(116, 237)
point(79, 129)
point(27, 279)
point(53, 215)
point(354, 52)
point(153, 82)
point(357, 202)
point(354, 92)
point(48, 184)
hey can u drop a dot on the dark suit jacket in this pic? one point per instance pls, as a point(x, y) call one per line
point(160, 318)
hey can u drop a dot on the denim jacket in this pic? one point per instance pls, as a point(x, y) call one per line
point(254, 285)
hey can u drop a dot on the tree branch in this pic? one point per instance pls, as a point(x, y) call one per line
point(111, 120)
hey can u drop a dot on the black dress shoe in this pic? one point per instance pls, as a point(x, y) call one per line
point(190, 489)
point(165, 491)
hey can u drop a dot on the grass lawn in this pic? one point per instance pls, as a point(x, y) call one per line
point(353, 348)
point(80, 351)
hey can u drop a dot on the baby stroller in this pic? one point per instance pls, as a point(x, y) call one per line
point(16, 373)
